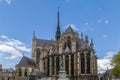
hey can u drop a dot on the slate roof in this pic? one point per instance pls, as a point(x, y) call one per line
point(83, 45)
point(69, 29)
point(37, 73)
point(8, 70)
point(26, 61)
point(107, 72)
point(41, 42)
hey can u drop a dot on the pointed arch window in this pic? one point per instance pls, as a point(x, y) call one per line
point(26, 72)
point(82, 63)
point(37, 55)
point(88, 63)
point(68, 43)
point(20, 72)
point(67, 64)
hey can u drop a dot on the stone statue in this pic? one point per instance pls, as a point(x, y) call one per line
point(62, 64)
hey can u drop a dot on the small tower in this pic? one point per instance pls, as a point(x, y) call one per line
point(92, 44)
point(34, 40)
point(58, 33)
point(86, 39)
point(82, 36)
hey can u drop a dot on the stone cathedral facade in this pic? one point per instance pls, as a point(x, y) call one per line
point(78, 53)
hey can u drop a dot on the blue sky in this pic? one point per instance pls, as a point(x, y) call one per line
point(99, 19)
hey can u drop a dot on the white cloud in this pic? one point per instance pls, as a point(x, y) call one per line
point(86, 27)
point(102, 20)
point(4, 37)
point(106, 21)
point(12, 48)
point(8, 1)
point(105, 36)
point(105, 62)
point(109, 55)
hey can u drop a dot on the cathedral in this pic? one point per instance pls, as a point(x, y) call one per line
point(80, 61)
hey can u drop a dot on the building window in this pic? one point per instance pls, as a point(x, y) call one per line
point(69, 42)
point(53, 65)
point(72, 64)
point(26, 72)
point(48, 65)
point(20, 72)
point(65, 46)
point(67, 64)
point(37, 56)
point(82, 63)
point(88, 63)
point(57, 64)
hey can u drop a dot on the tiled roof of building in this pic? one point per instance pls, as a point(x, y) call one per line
point(26, 61)
point(36, 73)
point(41, 42)
point(69, 29)
point(107, 72)
point(8, 70)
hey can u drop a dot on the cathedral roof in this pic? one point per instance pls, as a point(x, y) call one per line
point(69, 29)
point(26, 61)
point(41, 42)
point(83, 45)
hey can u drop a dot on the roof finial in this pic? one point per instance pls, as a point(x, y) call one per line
point(81, 36)
point(23, 54)
point(92, 41)
point(86, 38)
point(34, 36)
point(91, 44)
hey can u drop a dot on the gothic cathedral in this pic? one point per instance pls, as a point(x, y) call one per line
point(78, 54)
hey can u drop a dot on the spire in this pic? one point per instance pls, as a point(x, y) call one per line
point(58, 33)
point(34, 36)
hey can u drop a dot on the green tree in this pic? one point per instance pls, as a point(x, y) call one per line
point(116, 62)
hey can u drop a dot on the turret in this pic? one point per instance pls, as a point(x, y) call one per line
point(34, 39)
point(82, 36)
point(92, 44)
point(86, 39)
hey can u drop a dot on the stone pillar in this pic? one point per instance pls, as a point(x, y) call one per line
point(75, 61)
point(22, 70)
point(85, 62)
point(69, 65)
point(64, 62)
point(78, 63)
point(50, 68)
point(45, 66)
point(55, 65)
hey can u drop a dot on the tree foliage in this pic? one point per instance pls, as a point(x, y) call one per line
point(116, 62)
